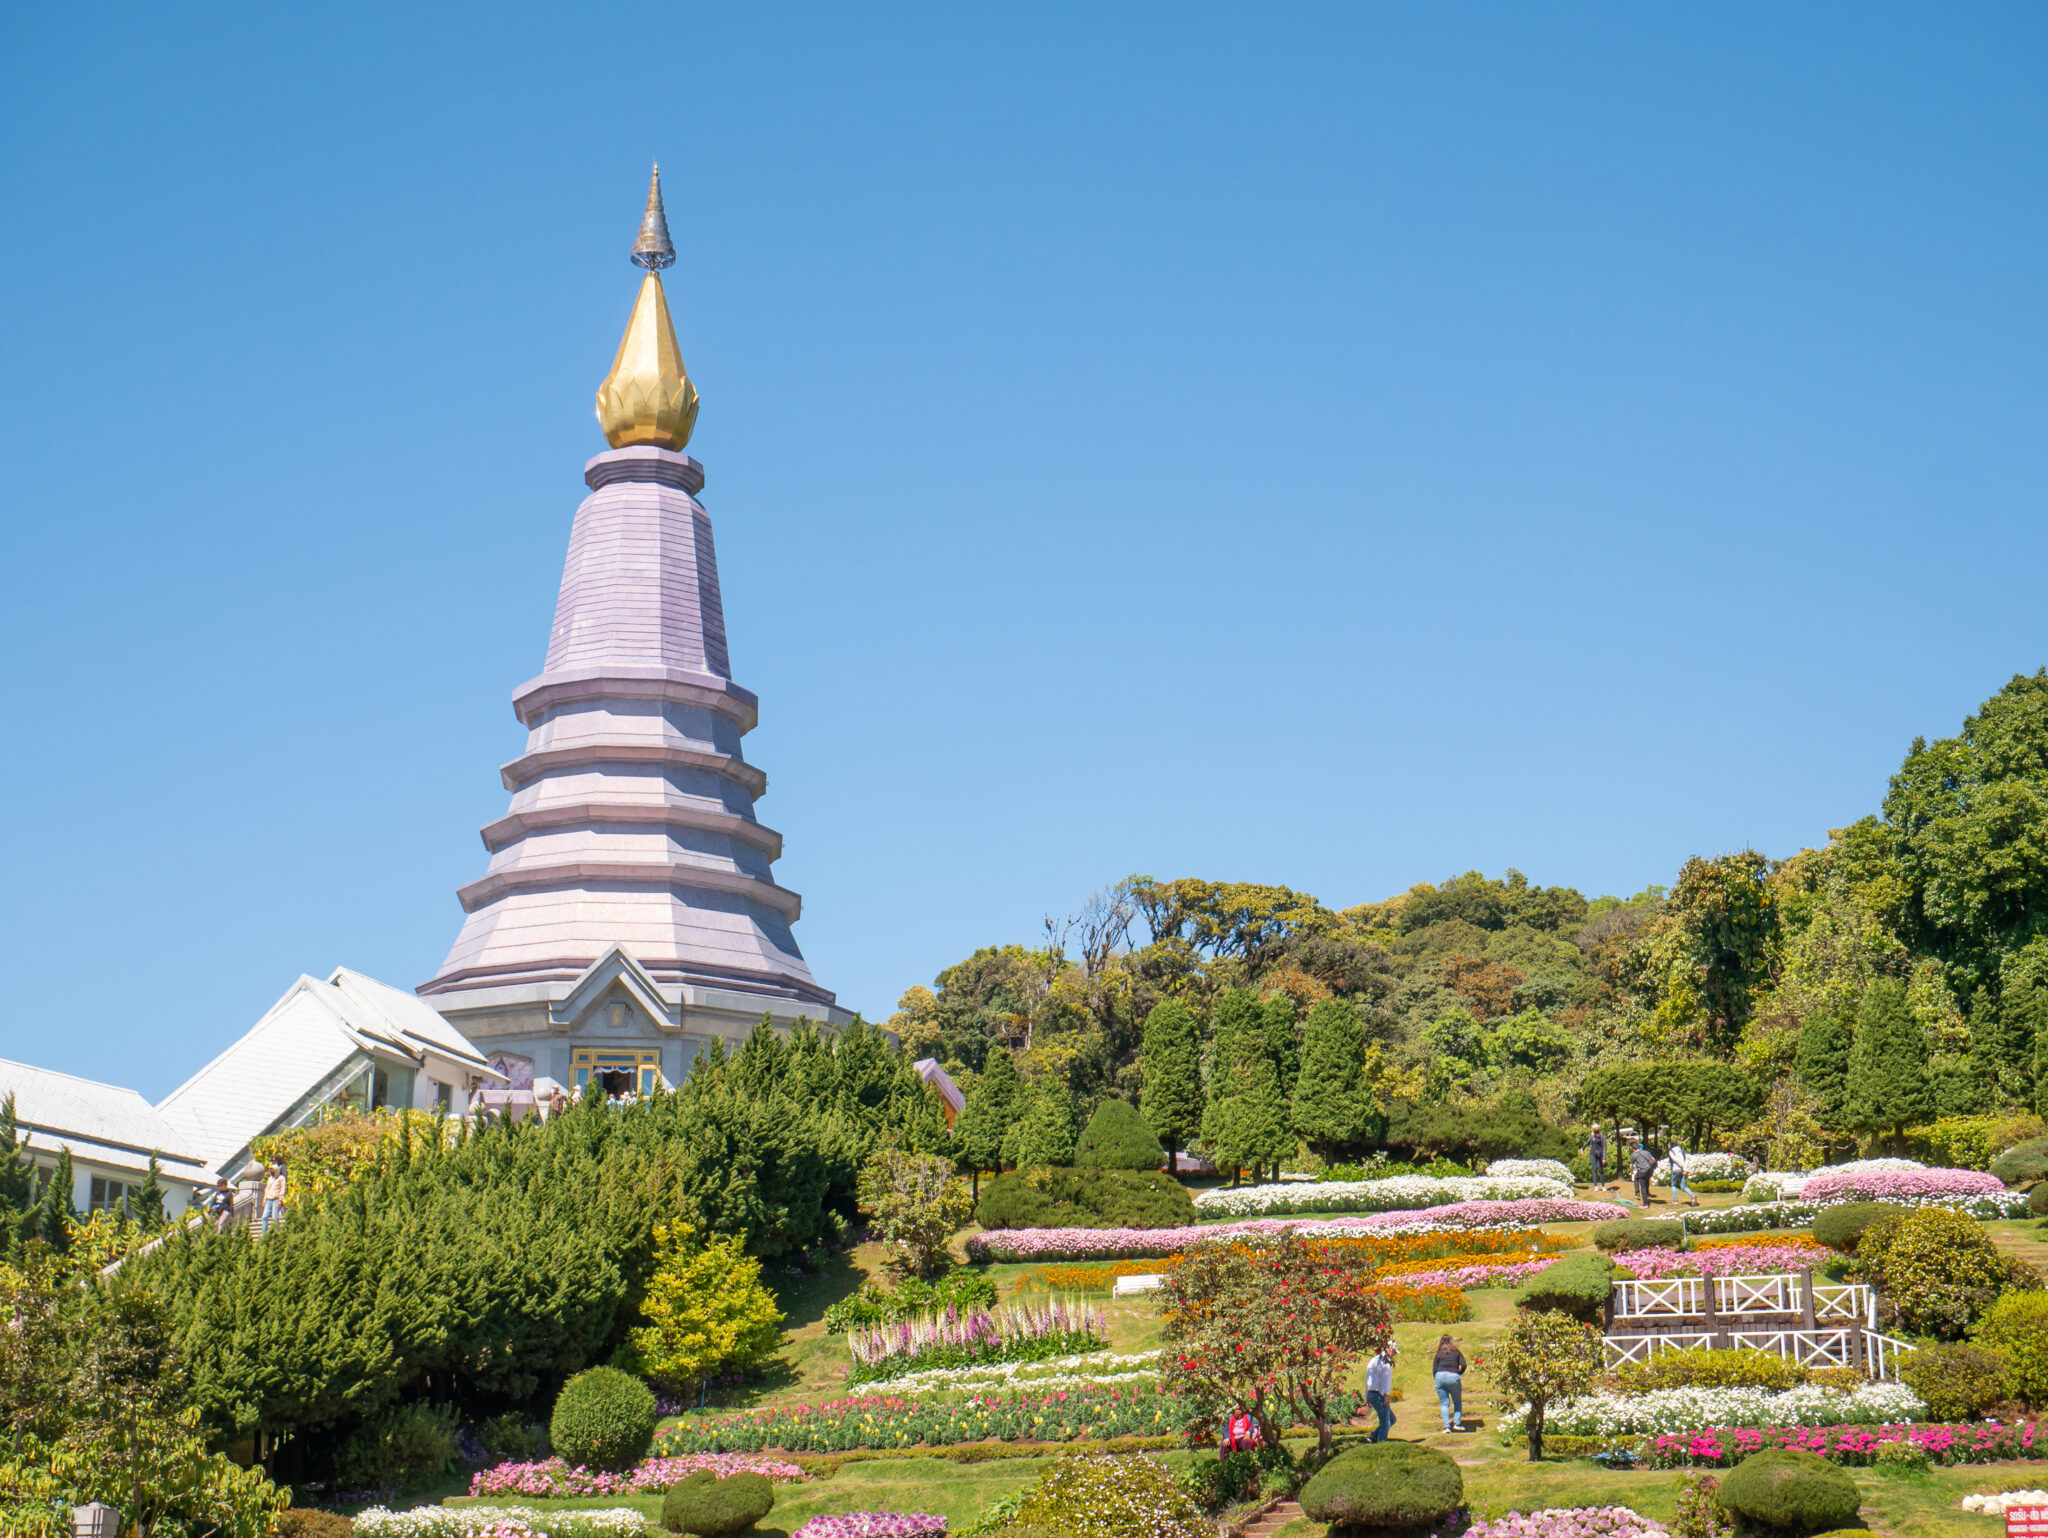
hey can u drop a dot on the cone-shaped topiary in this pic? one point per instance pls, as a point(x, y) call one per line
point(709, 1506)
point(604, 1419)
point(1789, 1492)
point(1841, 1228)
point(1385, 1484)
point(1116, 1138)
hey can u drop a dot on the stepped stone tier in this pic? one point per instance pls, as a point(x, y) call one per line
point(629, 911)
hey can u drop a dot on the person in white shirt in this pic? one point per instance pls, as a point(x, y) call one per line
point(1680, 1165)
point(1379, 1391)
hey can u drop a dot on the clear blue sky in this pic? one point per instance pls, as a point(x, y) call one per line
point(1333, 446)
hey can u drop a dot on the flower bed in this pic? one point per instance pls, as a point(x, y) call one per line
point(1721, 1446)
point(1707, 1166)
point(874, 1524)
point(1785, 1185)
point(1913, 1186)
point(1567, 1522)
point(1060, 1372)
point(555, 1479)
point(1723, 1260)
point(1022, 1333)
point(1025, 1244)
point(1059, 1415)
point(1399, 1193)
point(1677, 1410)
point(497, 1522)
point(1548, 1169)
point(1491, 1271)
point(1433, 1304)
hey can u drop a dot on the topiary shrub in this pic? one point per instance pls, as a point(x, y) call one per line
point(1937, 1270)
point(1385, 1484)
point(1116, 1138)
point(1094, 1495)
point(705, 1504)
point(1576, 1285)
point(305, 1522)
point(1640, 1234)
point(1057, 1197)
point(1959, 1383)
point(2024, 1163)
point(1712, 1369)
point(2016, 1327)
point(2037, 1199)
point(1841, 1228)
point(1787, 1492)
point(604, 1419)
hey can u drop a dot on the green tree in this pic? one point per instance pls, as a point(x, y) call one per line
point(1283, 1040)
point(1888, 1085)
point(147, 1204)
point(54, 1212)
point(991, 1112)
point(1171, 1061)
point(1333, 1104)
point(18, 1219)
point(2002, 1038)
point(1725, 919)
point(1252, 1130)
point(915, 1203)
point(1117, 1138)
point(1823, 1063)
point(1545, 1356)
point(706, 1310)
point(1045, 1136)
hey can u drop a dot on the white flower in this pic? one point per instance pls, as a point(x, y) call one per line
point(1054, 1372)
point(2001, 1501)
point(1672, 1410)
point(1706, 1166)
point(1545, 1169)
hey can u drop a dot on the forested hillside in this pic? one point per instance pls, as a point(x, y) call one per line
point(1895, 974)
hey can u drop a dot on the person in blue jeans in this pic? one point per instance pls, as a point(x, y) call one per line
point(1449, 1367)
point(1379, 1391)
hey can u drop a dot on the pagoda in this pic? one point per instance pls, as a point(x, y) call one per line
point(629, 912)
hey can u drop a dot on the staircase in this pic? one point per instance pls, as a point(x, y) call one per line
point(1273, 1519)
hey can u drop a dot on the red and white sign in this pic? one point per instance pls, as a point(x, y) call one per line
point(2027, 1522)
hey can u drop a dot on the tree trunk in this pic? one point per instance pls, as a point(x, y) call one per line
point(1536, 1431)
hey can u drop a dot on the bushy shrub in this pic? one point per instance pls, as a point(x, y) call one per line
point(2016, 1327)
point(306, 1522)
point(1700, 1512)
point(1841, 1228)
point(604, 1419)
point(1098, 1496)
point(1937, 1269)
point(1640, 1234)
point(962, 1288)
point(1084, 1198)
point(1712, 1369)
point(2024, 1163)
point(1577, 1285)
point(1116, 1138)
point(1385, 1484)
point(1958, 1382)
point(2037, 1199)
point(1233, 1477)
point(512, 1438)
point(404, 1448)
point(705, 1504)
point(1789, 1492)
point(1510, 1127)
point(1972, 1142)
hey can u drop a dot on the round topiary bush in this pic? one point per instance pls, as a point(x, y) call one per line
point(2023, 1163)
point(2037, 1199)
point(705, 1504)
point(2016, 1327)
point(1786, 1492)
point(1841, 1228)
point(1959, 1383)
point(604, 1419)
point(1116, 1138)
point(1640, 1234)
point(1385, 1484)
point(1938, 1269)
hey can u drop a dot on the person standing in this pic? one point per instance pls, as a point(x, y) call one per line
point(1379, 1391)
point(274, 1187)
point(1642, 1163)
point(1596, 1155)
point(1681, 1167)
point(1449, 1367)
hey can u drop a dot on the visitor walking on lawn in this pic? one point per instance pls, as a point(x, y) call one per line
point(1449, 1367)
point(1642, 1163)
point(1681, 1164)
point(1596, 1156)
point(1379, 1391)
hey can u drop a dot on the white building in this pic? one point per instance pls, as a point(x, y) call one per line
point(351, 1042)
point(112, 1134)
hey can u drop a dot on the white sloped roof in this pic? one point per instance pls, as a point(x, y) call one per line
point(101, 1122)
point(303, 1038)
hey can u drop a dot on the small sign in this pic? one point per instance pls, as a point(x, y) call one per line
point(2027, 1522)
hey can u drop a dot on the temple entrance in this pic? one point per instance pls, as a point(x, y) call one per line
point(613, 1071)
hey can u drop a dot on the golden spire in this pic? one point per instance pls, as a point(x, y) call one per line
point(648, 397)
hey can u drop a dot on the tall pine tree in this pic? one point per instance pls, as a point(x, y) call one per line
point(1888, 1086)
point(1171, 1064)
point(1333, 1104)
point(147, 1204)
point(1823, 1064)
point(54, 1212)
point(1251, 1121)
point(17, 1185)
point(992, 1108)
point(1283, 1041)
point(1045, 1137)
point(1237, 1040)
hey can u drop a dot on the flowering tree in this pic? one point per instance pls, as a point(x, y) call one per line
point(915, 1202)
point(1546, 1355)
point(1269, 1333)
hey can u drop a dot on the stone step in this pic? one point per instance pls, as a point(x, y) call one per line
point(1272, 1521)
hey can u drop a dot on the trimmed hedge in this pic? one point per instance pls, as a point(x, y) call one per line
point(306, 1522)
point(1116, 1138)
point(1084, 1198)
point(1576, 1285)
point(2023, 1163)
point(1640, 1234)
point(707, 1505)
point(2037, 1199)
point(604, 1419)
point(1385, 1484)
point(1841, 1228)
point(1959, 1383)
point(1789, 1492)
point(2017, 1328)
point(1707, 1368)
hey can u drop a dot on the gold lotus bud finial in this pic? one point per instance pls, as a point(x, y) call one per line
point(648, 397)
